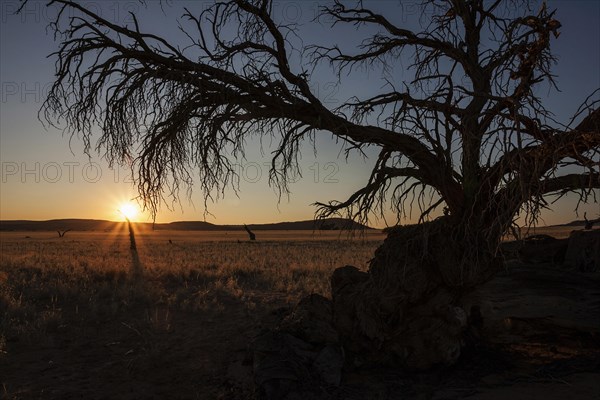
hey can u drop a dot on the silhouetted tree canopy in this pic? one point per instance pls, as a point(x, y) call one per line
point(469, 133)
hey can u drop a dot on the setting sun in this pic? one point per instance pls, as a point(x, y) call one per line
point(129, 210)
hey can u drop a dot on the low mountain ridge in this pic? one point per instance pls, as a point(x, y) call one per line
point(104, 225)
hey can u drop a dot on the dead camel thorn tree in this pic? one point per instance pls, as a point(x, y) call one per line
point(465, 132)
point(62, 234)
point(251, 235)
point(589, 224)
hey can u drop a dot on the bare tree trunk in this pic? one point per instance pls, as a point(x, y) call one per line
point(251, 234)
point(589, 224)
point(406, 310)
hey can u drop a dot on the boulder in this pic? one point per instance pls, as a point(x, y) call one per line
point(542, 249)
point(280, 364)
point(311, 321)
point(403, 313)
point(301, 355)
point(329, 364)
point(583, 251)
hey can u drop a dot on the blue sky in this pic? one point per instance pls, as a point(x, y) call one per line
point(46, 175)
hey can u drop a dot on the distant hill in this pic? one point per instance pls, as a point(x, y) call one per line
point(59, 224)
point(573, 223)
point(103, 225)
point(325, 224)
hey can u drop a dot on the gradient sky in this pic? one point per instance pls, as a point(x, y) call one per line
point(47, 176)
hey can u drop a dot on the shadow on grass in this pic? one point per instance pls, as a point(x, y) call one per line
point(136, 270)
point(149, 334)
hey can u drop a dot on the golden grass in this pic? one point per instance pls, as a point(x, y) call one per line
point(278, 258)
point(43, 276)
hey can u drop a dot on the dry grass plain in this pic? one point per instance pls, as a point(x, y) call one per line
point(84, 317)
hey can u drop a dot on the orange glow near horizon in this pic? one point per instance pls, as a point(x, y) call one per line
point(129, 210)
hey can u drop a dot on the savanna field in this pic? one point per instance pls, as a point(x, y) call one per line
point(84, 317)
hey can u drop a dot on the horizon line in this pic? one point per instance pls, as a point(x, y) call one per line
point(236, 224)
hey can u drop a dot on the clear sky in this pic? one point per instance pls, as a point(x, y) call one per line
point(46, 175)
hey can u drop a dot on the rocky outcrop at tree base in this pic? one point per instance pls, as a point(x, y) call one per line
point(311, 321)
point(404, 313)
point(408, 312)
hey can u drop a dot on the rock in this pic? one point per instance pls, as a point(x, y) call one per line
point(347, 276)
point(350, 314)
point(329, 364)
point(280, 364)
point(523, 302)
point(311, 320)
point(542, 249)
point(239, 374)
point(300, 356)
point(583, 251)
point(404, 312)
point(429, 336)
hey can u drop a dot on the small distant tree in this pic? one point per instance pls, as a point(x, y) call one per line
point(61, 234)
point(251, 235)
point(468, 133)
point(589, 224)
